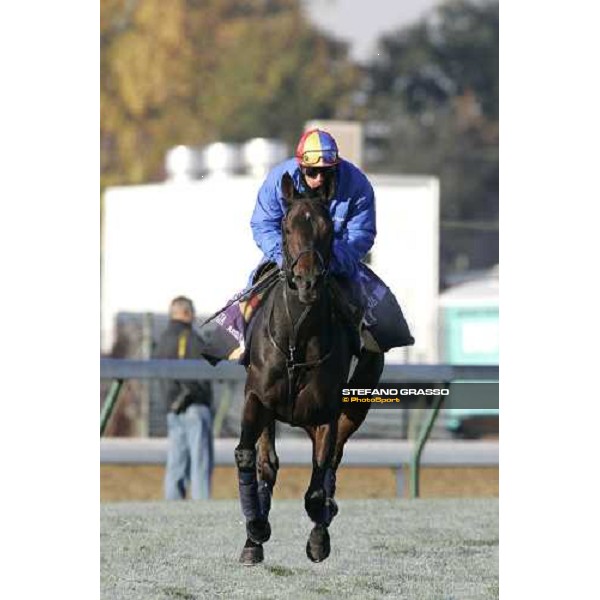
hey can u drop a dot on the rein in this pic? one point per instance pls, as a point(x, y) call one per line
point(290, 358)
point(261, 285)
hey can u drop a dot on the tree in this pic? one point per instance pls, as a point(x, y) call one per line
point(451, 53)
point(196, 71)
point(434, 91)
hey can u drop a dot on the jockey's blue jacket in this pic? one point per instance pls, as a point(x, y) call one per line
point(352, 210)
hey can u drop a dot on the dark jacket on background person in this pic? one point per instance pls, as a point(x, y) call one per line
point(179, 340)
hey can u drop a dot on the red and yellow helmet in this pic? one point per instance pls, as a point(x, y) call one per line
point(317, 148)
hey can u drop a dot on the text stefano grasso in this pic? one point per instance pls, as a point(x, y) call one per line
point(395, 391)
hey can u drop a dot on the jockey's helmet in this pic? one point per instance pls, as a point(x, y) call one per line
point(317, 148)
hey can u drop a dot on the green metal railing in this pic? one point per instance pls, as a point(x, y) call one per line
point(119, 370)
point(415, 463)
point(109, 403)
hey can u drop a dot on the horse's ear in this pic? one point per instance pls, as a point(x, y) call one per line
point(287, 188)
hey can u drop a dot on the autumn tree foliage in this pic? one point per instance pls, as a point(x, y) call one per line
point(196, 71)
point(433, 93)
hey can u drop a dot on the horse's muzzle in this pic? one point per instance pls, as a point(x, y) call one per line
point(308, 289)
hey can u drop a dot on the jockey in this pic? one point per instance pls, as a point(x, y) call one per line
point(317, 166)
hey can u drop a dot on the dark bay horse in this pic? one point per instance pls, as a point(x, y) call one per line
point(299, 358)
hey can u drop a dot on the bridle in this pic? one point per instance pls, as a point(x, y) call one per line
point(287, 277)
point(290, 262)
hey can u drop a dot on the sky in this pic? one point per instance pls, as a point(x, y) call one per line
point(361, 22)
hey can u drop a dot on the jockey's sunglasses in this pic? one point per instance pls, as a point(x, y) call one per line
point(312, 172)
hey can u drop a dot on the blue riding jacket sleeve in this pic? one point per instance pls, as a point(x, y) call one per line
point(266, 219)
point(358, 236)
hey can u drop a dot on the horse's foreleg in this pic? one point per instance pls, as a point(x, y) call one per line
point(366, 375)
point(268, 465)
point(257, 527)
point(352, 416)
point(315, 500)
point(323, 439)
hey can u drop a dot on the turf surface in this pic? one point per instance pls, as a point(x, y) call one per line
point(414, 549)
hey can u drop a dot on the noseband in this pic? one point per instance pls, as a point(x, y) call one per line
point(322, 268)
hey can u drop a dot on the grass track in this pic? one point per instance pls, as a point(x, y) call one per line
point(424, 549)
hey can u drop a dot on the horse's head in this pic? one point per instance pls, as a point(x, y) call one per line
point(307, 235)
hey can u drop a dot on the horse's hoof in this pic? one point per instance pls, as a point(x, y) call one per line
point(252, 554)
point(258, 531)
point(318, 546)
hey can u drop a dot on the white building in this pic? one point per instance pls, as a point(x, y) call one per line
point(194, 238)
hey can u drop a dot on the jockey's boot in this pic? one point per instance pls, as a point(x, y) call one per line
point(351, 313)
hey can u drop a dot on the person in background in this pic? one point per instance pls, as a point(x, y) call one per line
point(189, 418)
